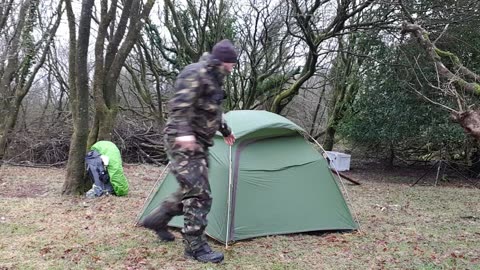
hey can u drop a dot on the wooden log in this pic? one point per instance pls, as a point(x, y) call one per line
point(346, 177)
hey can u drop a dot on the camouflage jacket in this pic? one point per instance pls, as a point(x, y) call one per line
point(195, 109)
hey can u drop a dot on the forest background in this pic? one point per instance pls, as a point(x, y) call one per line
point(392, 80)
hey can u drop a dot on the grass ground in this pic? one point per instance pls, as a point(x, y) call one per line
point(402, 227)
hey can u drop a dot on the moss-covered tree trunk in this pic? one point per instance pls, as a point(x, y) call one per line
point(103, 125)
point(8, 126)
point(329, 138)
point(340, 103)
point(75, 180)
point(109, 60)
point(336, 109)
point(460, 77)
point(345, 84)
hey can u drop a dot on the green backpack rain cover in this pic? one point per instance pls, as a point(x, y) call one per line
point(114, 167)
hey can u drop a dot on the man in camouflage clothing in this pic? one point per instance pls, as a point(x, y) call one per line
point(195, 117)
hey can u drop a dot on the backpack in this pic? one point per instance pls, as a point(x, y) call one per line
point(98, 174)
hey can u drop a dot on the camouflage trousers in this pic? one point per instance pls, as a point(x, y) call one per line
point(193, 197)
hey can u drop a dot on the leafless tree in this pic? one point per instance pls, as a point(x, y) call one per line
point(24, 54)
point(121, 36)
point(267, 54)
point(194, 28)
point(114, 41)
point(311, 22)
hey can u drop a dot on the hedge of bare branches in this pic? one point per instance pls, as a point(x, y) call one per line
point(49, 145)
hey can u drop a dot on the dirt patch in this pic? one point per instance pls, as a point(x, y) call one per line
point(24, 190)
point(29, 182)
point(421, 175)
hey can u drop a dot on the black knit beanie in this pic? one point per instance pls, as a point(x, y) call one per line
point(225, 52)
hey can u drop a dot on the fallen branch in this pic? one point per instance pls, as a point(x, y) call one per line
point(346, 177)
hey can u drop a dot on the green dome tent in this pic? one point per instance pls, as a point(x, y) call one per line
point(271, 181)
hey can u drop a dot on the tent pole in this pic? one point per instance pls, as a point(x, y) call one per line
point(229, 195)
point(149, 197)
point(341, 182)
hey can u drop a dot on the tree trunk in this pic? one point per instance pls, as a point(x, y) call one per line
point(103, 125)
point(333, 117)
point(469, 121)
point(75, 180)
point(109, 63)
point(338, 102)
point(9, 125)
point(282, 99)
point(8, 100)
point(391, 156)
point(464, 81)
point(25, 73)
point(316, 112)
point(329, 138)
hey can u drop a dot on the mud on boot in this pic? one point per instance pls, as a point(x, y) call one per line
point(204, 254)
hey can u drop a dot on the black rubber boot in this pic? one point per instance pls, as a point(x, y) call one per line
point(159, 225)
point(158, 220)
point(204, 254)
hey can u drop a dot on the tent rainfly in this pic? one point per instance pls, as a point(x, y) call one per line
point(271, 181)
